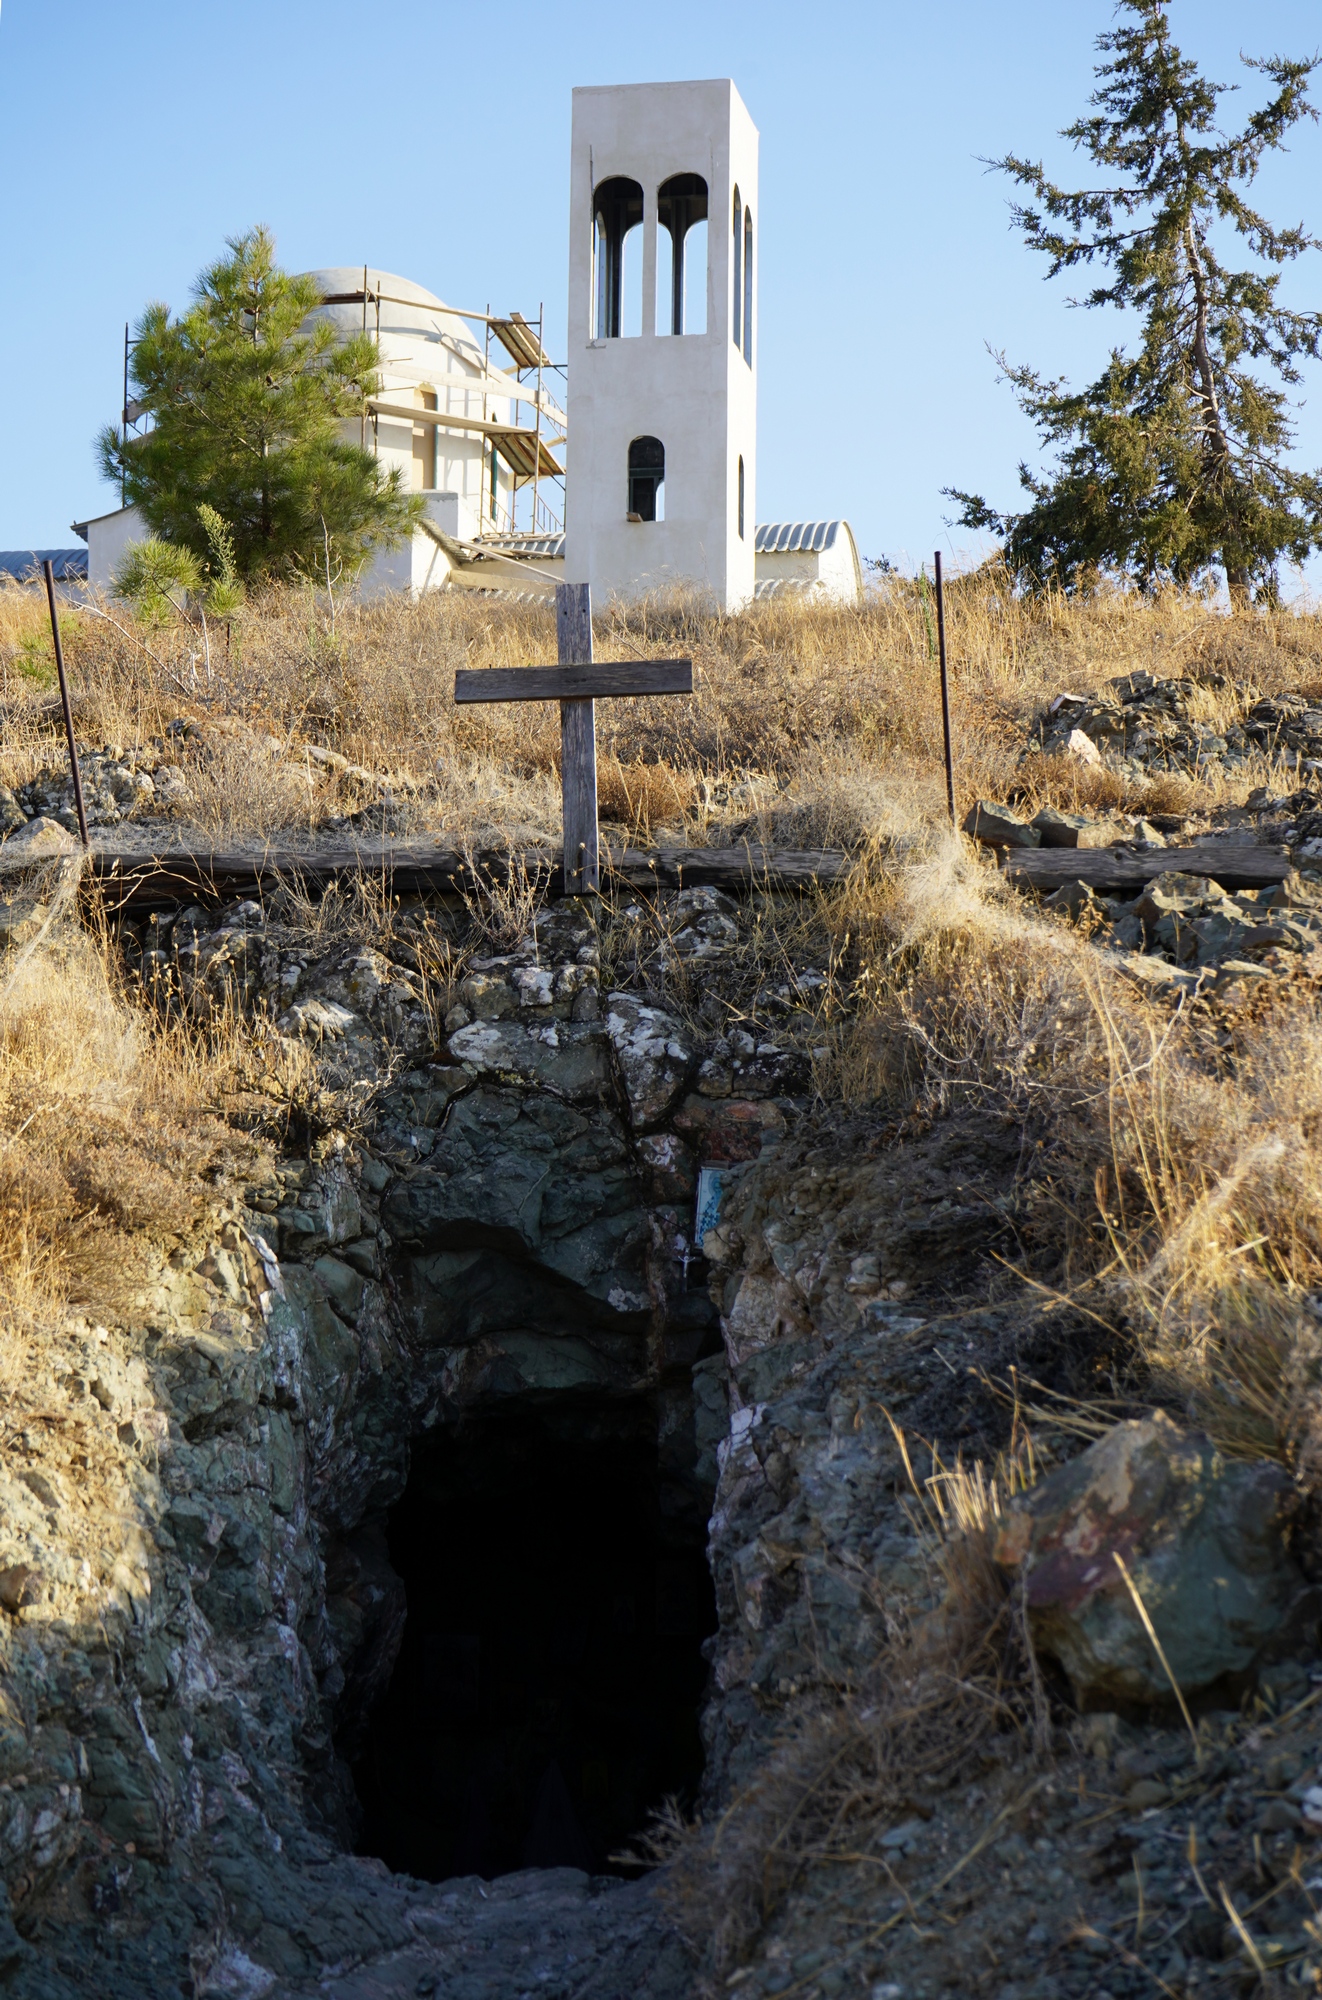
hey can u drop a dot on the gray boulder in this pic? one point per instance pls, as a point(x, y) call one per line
point(564, 1058)
point(1202, 1538)
point(997, 826)
point(654, 1057)
point(38, 840)
point(1062, 829)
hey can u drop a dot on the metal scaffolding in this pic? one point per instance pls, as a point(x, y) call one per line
point(528, 448)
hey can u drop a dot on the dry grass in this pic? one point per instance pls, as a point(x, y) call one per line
point(1177, 1149)
point(806, 721)
point(1177, 1176)
point(105, 1135)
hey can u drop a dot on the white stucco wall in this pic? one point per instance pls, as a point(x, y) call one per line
point(107, 538)
point(695, 392)
point(422, 564)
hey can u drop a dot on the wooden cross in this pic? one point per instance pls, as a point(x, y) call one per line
point(574, 684)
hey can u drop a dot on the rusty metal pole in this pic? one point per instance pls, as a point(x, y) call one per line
point(945, 688)
point(64, 702)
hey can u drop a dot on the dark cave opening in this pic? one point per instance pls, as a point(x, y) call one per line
point(547, 1691)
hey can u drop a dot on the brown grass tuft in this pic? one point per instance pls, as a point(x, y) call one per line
point(105, 1134)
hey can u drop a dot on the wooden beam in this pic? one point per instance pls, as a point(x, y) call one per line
point(1232, 865)
point(574, 683)
point(132, 883)
point(511, 438)
point(491, 382)
point(453, 420)
point(578, 740)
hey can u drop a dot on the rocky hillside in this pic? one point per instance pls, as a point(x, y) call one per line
point(817, 1393)
point(481, 1208)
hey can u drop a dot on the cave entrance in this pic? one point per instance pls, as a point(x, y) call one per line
point(547, 1691)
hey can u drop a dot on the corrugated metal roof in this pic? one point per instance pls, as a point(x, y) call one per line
point(776, 538)
point(787, 538)
point(70, 565)
point(789, 586)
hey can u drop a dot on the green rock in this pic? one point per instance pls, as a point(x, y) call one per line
point(301, 1230)
point(1202, 1538)
point(343, 1284)
point(567, 1058)
point(545, 1363)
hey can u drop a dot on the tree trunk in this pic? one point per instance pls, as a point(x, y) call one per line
point(1216, 445)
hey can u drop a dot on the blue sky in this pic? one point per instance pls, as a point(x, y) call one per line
point(433, 141)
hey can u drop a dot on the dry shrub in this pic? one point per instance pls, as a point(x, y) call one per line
point(502, 903)
point(238, 789)
point(1172, 1154)
point(1209, 1196)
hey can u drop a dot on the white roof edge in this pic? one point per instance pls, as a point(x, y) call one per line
point(80, 528)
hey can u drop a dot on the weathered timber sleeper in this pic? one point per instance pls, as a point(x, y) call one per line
point(1232, 865)
point(131, 881)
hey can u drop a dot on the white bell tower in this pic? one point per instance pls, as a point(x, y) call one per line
point(662, 395)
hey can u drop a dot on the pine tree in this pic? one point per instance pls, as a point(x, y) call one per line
point(248, 406)
point(1174, 462)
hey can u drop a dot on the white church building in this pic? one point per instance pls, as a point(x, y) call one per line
point(632, 465)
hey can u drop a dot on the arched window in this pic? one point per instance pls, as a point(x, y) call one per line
point(748, 286)
point(737, 264)
point(741, 496)
point(647, 476)
point(617, 252)
point(681, 255)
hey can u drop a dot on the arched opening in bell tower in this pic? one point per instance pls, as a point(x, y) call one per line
point(681, 255)
point(617, 252)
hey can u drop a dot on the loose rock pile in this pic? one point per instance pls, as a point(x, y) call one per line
point(149, 780)
point(1186, 921)
point(1146, 724)
point(1190, 922)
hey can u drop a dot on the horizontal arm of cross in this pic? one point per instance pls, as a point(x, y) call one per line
point(601, 678)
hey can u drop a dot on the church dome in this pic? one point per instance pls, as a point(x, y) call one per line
point(410, 314)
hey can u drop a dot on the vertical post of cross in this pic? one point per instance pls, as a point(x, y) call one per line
point(578, 743)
